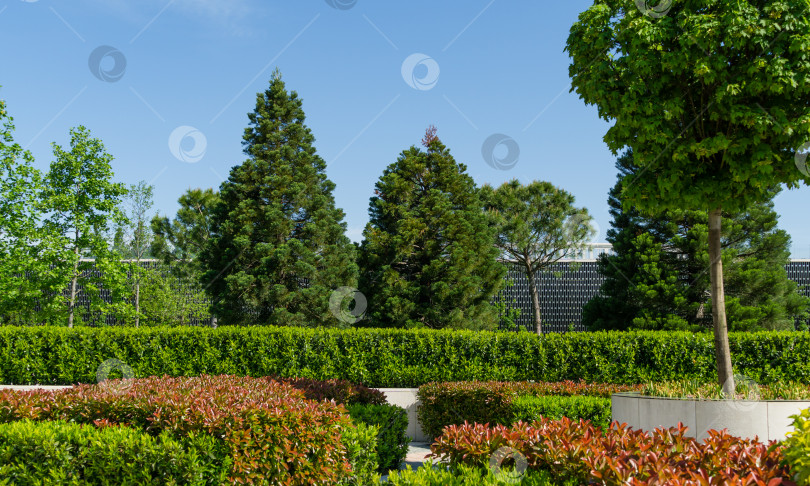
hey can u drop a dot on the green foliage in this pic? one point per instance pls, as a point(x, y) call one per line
point(26, 248)
point(594, 409)
point(434, 475)
point(713, 97)
point(167, 298)
point(394, 358)
point(361, 453)
point(62, 453)
point(427, 258)
point(744, 390)
point(797, 448)
point(657, 277)
point(536, 226)
point(443, 404)
point(392, 423)
point(276, 225)
point(83, 206)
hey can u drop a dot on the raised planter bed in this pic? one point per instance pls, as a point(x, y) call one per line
point(765, 419)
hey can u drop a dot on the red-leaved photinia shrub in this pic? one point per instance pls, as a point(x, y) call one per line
point(272, 433)
point(343, 392)
point(620, 455)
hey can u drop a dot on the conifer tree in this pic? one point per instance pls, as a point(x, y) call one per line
point(657, 278)
point(278, 248)
point(427, 257)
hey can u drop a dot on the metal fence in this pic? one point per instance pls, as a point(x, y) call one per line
point(564, 290)
point(569, 285)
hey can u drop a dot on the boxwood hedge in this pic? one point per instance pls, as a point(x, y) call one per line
point(394, 358)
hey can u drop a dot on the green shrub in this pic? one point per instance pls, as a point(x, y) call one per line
point(530, 408)
point(267, 431)
point(63, 453)
point(395, 357)
point(392, 424)
point(361, 452)
point(428, 475)
point(443, 404)
point(797, 448)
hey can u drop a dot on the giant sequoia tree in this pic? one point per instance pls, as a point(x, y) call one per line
point(427, 257)
point(657, 278)
point(278, 248)
point(713, 97)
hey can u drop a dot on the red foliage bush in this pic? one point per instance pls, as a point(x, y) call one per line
point(273, 434)
point(620, 455)
point(343, 392)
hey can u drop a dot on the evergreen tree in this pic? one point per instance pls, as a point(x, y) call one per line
point(427, 257)
point(278, 248)
point(657, 277)
point(536, 225)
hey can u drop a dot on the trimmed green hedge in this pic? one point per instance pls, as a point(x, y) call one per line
point(430, 475)
point(65, 453)
point(394, 358)
point(504, 403)
point(595, 409)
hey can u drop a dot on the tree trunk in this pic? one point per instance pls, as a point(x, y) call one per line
point(722, 352)
point(73, 281)
point(138, 294)
point(538, 324)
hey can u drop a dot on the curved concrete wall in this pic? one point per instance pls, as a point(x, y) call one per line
point(765, 419)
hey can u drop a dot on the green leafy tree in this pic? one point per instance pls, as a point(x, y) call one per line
point(83, 205)
point(537, 225)
point(714, 100)
point(278, 249)
point(179, 242)
point(134, 238)
point(170, 300)
point(26, 250)
point(427, 256)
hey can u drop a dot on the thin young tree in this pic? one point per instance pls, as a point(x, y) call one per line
point(714, 100)
point(82, 204)
point(138, 236)
point(537, 225)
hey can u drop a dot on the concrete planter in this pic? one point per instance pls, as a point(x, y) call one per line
point(406, 398)
point(765, 419)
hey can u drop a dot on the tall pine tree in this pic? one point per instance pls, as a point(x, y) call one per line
point(428, 258)
point(657, 277)
point(278, 247)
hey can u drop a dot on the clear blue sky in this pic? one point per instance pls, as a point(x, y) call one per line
point(492, 67)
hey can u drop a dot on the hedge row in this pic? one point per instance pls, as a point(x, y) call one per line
point(504, 403)
point(64, 453)
point(266, 432)
point(394, 358)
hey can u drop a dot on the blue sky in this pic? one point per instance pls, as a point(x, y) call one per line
point(187, 72)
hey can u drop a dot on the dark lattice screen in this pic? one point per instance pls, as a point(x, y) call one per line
point(564, 290)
